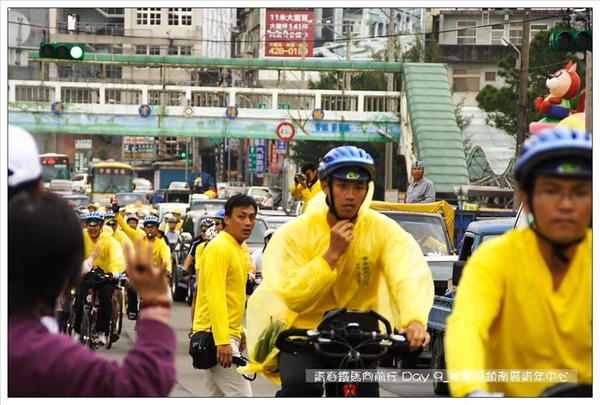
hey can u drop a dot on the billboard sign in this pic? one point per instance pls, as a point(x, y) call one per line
point(287, 31)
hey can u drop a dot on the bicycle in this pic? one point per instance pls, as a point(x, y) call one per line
point(348, 339)
point(116, 319)
point(91, 308)
point(70, 323)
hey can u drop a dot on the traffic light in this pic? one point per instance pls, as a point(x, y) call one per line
point(58, 50)
point(571, 40)
point(183, 151)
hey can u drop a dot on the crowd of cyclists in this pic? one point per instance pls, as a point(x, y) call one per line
point(337, 253)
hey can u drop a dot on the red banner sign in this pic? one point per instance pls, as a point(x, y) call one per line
point(289, 32)
point(273, 159)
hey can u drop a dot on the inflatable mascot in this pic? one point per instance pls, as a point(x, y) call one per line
point(563, 86)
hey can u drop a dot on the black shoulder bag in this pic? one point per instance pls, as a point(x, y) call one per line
point(203, 350)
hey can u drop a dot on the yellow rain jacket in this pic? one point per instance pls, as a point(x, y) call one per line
point(110, 257)
point(383, 269)
point(306, 194)
point(160, 250)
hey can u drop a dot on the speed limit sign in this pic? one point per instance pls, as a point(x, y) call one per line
point(285, 131)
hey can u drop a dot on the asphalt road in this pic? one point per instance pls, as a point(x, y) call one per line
point(190, 382)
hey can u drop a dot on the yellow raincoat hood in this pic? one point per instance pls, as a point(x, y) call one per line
point(382, 269)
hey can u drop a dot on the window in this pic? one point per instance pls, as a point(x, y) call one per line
point(180, 16)
point(171, 145)
point(148, 16)
point(466, 80)
point(141, 49)
point(25, 93)
point(490, 76)
point(516, 34)
point(179, 50)
point(154, 50)
point(497, 34)
point(466, 32)
point(81, 96)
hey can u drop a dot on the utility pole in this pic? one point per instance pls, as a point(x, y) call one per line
point(524, 70)
point(522, 99)
point(588, 92)
point(390, 87)
point(348, 45)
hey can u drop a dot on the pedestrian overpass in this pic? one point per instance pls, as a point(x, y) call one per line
point(420, 118)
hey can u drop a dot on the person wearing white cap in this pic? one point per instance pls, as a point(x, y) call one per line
point(421, 190)
point(257, 255)
point(24, 167)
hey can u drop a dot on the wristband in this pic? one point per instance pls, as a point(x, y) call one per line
point(155, 303)
point(153, 312)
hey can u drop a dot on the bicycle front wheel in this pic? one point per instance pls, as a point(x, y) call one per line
point(121, 311)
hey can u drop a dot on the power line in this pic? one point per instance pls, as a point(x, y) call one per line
point(263, 41)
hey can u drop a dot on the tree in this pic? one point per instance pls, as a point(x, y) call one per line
point(102, 153)
point(500, 103)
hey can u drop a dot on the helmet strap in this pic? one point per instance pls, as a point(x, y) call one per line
point(558, 249)
point(331, 204)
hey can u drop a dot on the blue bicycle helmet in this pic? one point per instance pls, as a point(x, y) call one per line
point(359, 164)
point(83, 217)
point(95, 216)
point(207, 222)
point(560, 151)
point(109, 214)
point(219, 214)
point(151, 220)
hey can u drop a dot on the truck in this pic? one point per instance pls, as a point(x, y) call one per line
point(432, 230)
point(477, 232)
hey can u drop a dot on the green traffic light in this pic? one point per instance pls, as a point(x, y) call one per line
point(183, 155)
point(56, 50)
point(571, 40)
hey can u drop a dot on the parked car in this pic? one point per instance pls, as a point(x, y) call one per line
point(165, 208)
point(178, 185)
point(258, 193)
point(77, 200)
point(61, 187)
point(131, 198)
point(142, 184)
point(277, 196)
point(208, 206)
point(80, 183)
point(275, 221)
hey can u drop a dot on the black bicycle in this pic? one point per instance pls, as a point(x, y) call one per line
point(116, 319)
point(349, 339)
point(91, 307)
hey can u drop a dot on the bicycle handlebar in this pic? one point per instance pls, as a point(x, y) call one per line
point(335, 341)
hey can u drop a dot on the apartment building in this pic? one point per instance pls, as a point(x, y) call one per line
point(199, 32)
point(470, 41)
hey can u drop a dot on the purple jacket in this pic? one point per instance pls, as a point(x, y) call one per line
point(42, 364)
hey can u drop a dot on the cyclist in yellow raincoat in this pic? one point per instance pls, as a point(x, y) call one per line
point(339, 253)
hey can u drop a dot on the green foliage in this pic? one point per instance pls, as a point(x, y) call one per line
point(500, 104)
point(102, 153)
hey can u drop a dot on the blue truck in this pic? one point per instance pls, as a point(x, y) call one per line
point(476, 233)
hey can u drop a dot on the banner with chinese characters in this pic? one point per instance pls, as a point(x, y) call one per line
point(289, 32)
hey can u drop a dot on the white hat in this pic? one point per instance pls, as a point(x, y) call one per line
point(268, 233)
point(23, 157)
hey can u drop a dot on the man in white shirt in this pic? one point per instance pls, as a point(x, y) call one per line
point(172, 234)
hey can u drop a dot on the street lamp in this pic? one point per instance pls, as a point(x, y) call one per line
point(506, 42)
